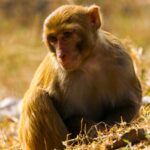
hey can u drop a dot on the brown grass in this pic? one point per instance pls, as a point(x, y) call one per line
point(21, 50)
point(9, 138)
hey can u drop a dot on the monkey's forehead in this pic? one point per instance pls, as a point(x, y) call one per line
point(64, 14)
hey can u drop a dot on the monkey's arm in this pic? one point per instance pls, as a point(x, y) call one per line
point(126, 110)
point(125, 113)
point(130, 104)
point(41, 127)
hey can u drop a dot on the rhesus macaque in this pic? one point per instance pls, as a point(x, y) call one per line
point(87, 75)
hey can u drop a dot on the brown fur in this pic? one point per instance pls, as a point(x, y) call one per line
point(88, 75)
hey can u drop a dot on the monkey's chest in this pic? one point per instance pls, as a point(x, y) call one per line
point(89, 96)
point(80, 98)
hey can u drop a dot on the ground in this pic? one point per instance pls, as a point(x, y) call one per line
point(22, 49)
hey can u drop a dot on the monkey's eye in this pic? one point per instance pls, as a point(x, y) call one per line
point(52, 38)
point(67, 34)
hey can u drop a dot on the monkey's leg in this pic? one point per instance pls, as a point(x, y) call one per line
point(126, 113)
point(76, 124)
point(41, 127)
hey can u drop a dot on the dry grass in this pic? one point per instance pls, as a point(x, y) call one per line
point(115, 133)
point(21, 50)
point(9, 138)
point(8, 135)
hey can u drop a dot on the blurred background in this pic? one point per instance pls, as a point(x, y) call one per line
point(21, 46)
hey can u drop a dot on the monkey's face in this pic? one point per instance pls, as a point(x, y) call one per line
point(65, 44)
point(70, 33)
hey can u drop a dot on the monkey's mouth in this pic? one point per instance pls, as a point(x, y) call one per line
point(68, 62)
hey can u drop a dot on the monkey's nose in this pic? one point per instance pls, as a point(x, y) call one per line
point(62, 57)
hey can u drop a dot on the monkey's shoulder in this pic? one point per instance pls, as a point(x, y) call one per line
point(45, 73)
point(113, 53)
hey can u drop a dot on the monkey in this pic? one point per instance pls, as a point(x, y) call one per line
point(86, 75)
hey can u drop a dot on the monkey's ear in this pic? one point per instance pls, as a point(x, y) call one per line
point(94, 15)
